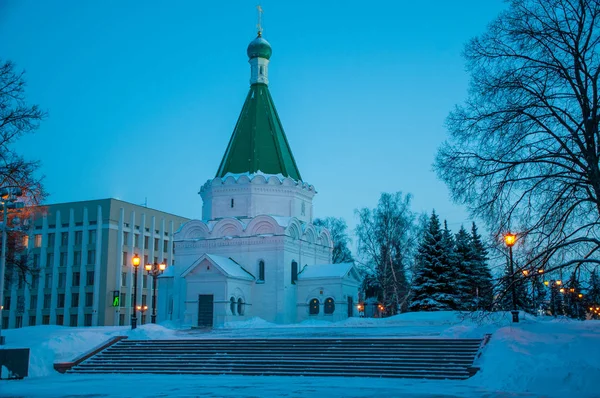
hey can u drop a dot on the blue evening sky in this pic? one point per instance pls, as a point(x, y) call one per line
point(142, 96)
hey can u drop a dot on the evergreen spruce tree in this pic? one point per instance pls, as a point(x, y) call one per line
point(505, 291)
point(482, 276)
point(574, 307)
point(539, 295)
point(593, 290)
point(557, 304)
point(433, 282)
point(466, 281)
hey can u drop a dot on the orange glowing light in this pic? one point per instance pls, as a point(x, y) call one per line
point(558, 282)
point(546, 283)
point(148, 267)
point(510, 239)
point(562, 290)
point(525, 272)
point(135, 261)
point(540, 271)
point(162, 266)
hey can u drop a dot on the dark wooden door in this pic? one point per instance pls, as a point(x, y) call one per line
point(205, 310)
point(350, 307)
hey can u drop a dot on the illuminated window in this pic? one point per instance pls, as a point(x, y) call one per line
point(313, 308)
point(329, 306)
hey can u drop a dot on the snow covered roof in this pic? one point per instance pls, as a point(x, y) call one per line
point(230, 267)
point(321, 271)
point(227, 265)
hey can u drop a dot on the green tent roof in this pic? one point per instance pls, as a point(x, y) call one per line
point(258, 142)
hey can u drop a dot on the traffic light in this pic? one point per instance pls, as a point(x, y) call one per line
point(116, 298)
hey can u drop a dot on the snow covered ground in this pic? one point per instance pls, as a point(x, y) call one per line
point(537, 357)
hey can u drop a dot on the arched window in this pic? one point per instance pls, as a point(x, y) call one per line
point(260, 69)
point(294, 272)
point(261, 271)
point(232, 305)
point(313, 307)
point(240, 306)
point(329, 305)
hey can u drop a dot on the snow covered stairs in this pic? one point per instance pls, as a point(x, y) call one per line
point(375, 357)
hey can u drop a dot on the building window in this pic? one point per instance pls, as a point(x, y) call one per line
point(143, 299)
point(77, 258)
point(232, 305)
point(4, 322)
point(50, 240)
point(50, 260)
point(240, 306)
point(123, 298)
point(92, 236)
point(33, 302)
point(37, 240)
point(261, 271)
point(87, 320)
point(91, 257)
point(125, 238)
point(64, 239)
point(75, 279)
point(74, 300)
point(144, 281)
point(136, 240)
point(73, 320)
point(89, 278)
point(47, 300)
point(143, 318)
point(60, 319)
point(89, 299)
point(78, 237)
point(6, 303)
point(35, 281)
point(62, 280)
point(329, 306)
point(155, 244)
point(18, 322)
point(46, 320)
point(25, 241)
point(294, 272)
point(165, 245)
point(60, 302)
point(63, 259)
point(32, 320)
point(313, 308)
point(232, 203)
point(145, 242)
point(121, 319)
point(48, 284)
point(123, 278)
point(125, 258)
point(36, 260)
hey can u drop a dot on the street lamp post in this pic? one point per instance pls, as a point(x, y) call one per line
point(510, 240)
point(135, 261)
point(154, 270)
point(8, 198)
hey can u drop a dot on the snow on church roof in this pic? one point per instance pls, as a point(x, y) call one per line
point(325, 271)
point(230, 267)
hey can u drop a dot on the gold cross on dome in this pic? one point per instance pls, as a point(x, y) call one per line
point(259, 24)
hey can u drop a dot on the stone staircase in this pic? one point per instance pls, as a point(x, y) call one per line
point(374, 357)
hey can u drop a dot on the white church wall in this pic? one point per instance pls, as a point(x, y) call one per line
point(337, 288)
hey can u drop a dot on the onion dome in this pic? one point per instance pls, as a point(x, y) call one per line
point(259, 48)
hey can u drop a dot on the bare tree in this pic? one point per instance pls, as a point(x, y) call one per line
point(524, 148)
point(17, 118)
point(339, 235)
point(385, 242)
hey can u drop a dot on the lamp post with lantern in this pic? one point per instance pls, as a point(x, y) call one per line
point(509, 240)
point(135, 261)
point(8, 200)
point(154, 270)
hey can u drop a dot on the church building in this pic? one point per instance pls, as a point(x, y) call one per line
point(255, 252)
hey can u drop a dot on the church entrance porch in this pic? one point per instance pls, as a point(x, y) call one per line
point(205, 310)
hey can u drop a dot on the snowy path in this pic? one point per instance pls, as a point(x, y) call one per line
point(239, 386)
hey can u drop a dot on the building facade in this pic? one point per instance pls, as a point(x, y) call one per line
point(81, 253)
point(256, 252)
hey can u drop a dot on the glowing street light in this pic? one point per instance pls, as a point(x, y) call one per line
point(154, 270)
point(135, 261)
point(510, 240)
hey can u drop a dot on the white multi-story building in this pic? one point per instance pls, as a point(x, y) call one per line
point(255, 252)
point(82, 252)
